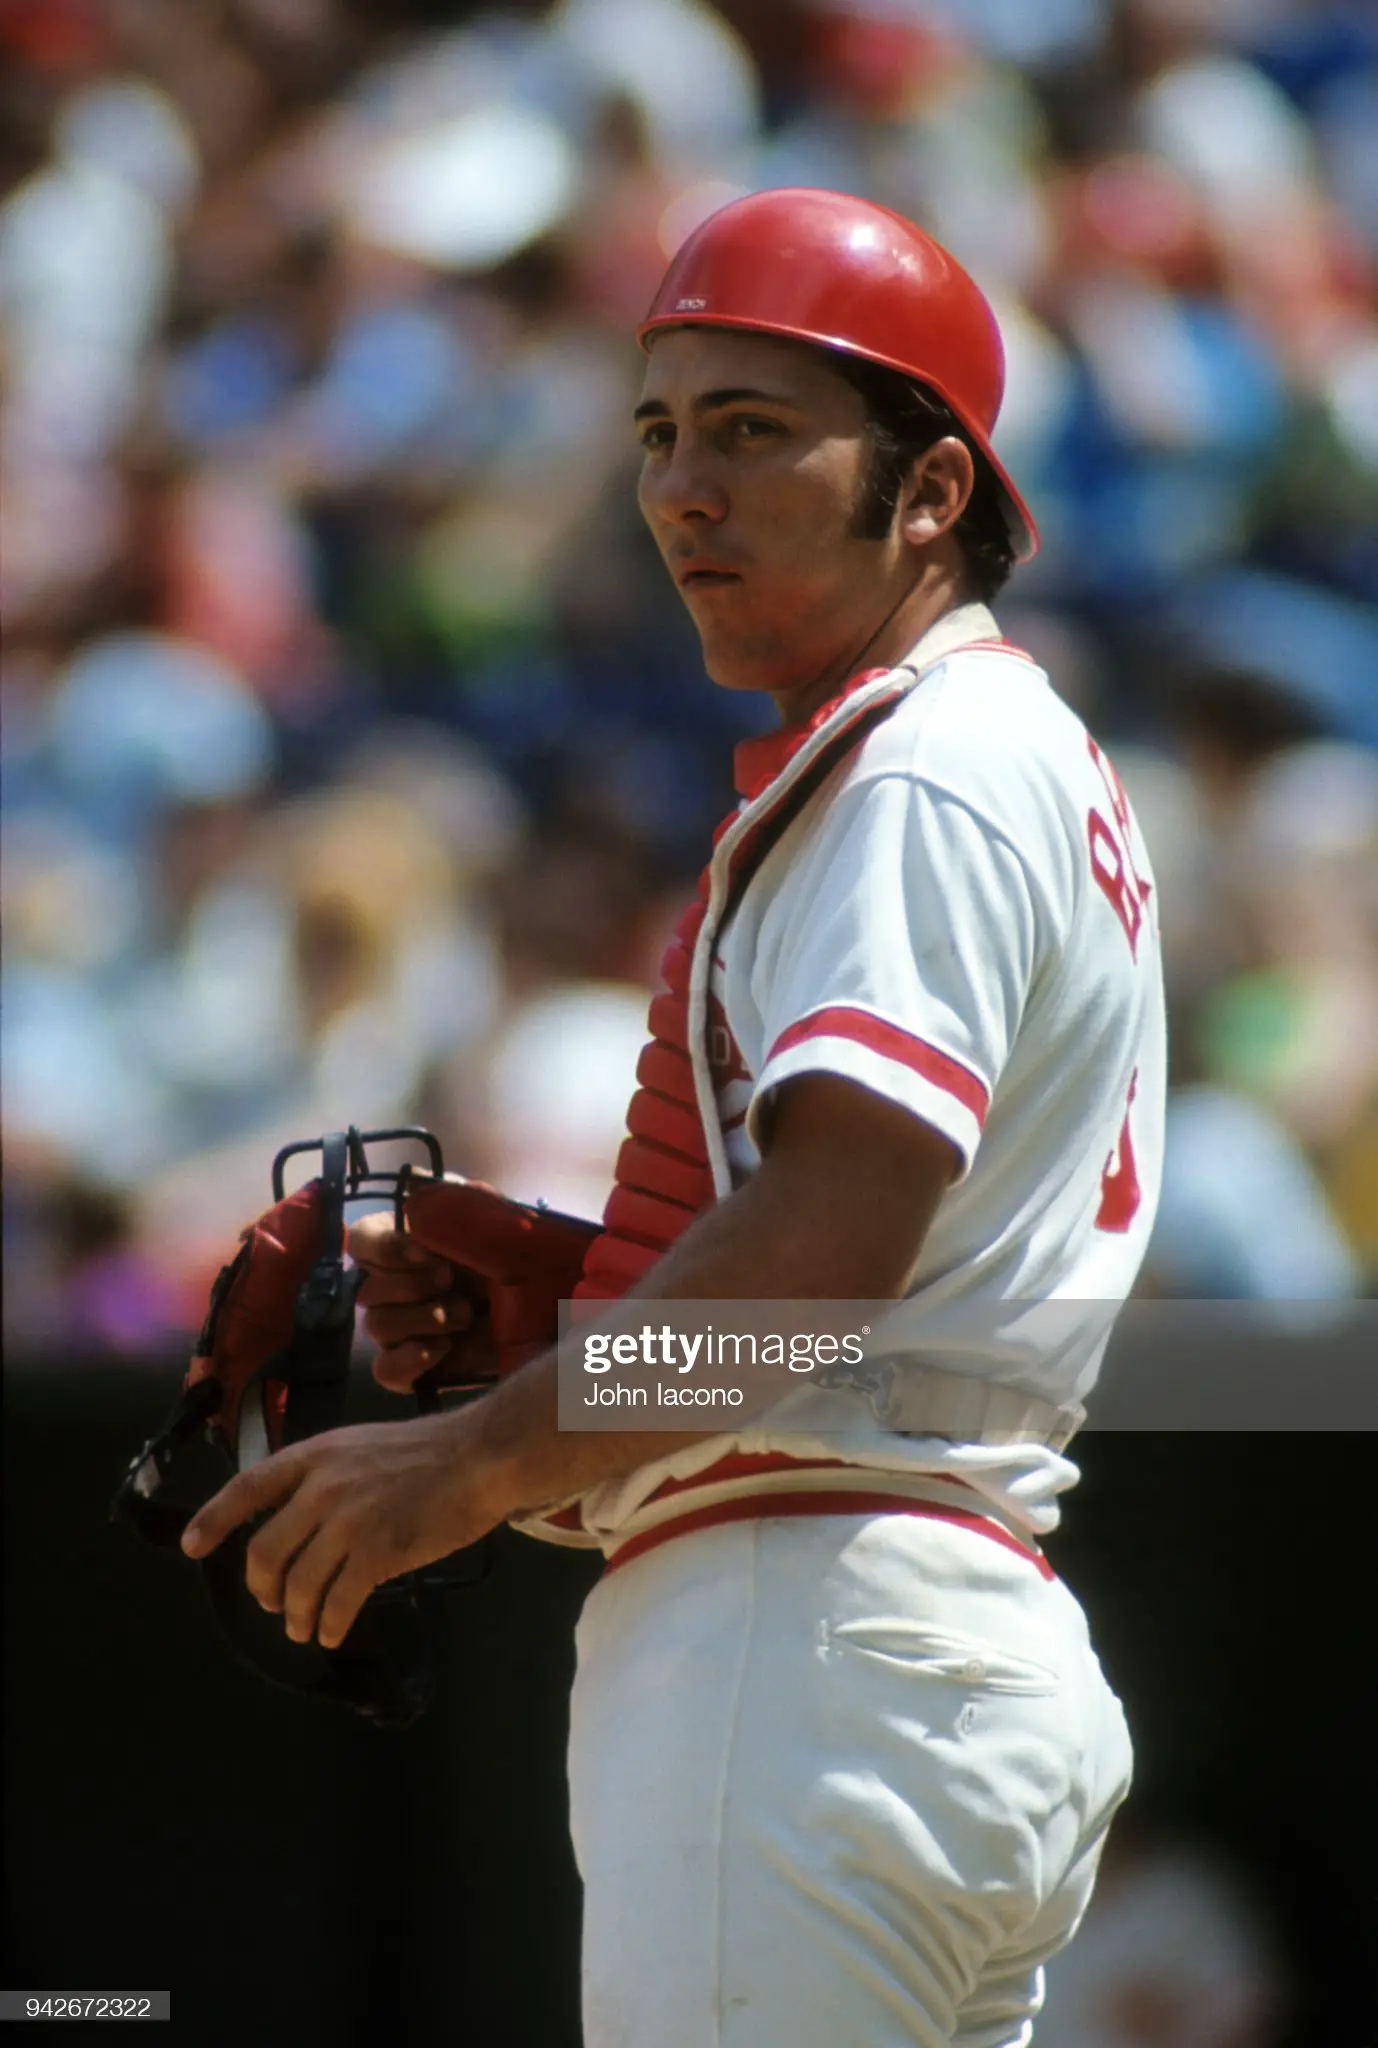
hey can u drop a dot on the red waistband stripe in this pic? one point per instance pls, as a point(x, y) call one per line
point(756, 1507)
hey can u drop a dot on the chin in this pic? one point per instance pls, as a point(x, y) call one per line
point(733, 676)
point(737, 669)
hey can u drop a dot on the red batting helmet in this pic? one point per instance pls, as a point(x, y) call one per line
point(847, 274)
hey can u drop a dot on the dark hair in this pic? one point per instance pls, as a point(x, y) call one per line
point(903, 420)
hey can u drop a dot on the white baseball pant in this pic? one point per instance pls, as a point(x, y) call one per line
point(835, 1783)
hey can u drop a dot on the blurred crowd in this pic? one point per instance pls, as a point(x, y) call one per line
point(357, 757)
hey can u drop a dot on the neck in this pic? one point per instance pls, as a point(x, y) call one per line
point(937, 591)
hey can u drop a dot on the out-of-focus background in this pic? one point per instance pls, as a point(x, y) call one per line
point(357, 754)
point(357, 757)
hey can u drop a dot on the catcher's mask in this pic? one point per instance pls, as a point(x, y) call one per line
point(271, 1367)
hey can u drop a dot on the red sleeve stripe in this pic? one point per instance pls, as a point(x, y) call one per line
point(892, 1044)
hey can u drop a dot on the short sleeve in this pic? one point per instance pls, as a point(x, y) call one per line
point(899, 953)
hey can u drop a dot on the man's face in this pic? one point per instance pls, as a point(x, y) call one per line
point(756, 459)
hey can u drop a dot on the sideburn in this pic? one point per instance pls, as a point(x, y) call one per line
point(874, 510)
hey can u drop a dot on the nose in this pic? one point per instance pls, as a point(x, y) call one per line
point(683, 487)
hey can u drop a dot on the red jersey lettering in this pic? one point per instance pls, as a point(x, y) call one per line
point(1112, 860)
point(1120, 1193)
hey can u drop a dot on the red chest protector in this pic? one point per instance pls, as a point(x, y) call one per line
point(664, 1178)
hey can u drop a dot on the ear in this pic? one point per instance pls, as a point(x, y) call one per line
point(939, 487)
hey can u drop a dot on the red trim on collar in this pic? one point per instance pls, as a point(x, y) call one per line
point(997, 647)
point(757, 762)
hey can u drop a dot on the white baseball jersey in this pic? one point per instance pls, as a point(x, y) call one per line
point(961, 918)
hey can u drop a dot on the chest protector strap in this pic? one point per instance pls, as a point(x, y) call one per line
point(664, 1178)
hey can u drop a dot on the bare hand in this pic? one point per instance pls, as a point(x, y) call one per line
point(350, 1509)
point(421, 1311)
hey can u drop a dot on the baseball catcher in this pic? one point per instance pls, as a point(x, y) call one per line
point(842, 1759)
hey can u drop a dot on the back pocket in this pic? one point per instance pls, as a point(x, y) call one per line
point(942, 1653)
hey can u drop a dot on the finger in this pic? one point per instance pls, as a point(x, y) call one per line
point(345, 1596)
point(388, 1286)
point(247, 1494)
point(376, 1241)
point(418, 1322)
point(399, 1368)
point(309, 1577)
point(273, 1547)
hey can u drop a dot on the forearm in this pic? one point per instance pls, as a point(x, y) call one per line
point(745, 1248)
point(837, 1211)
